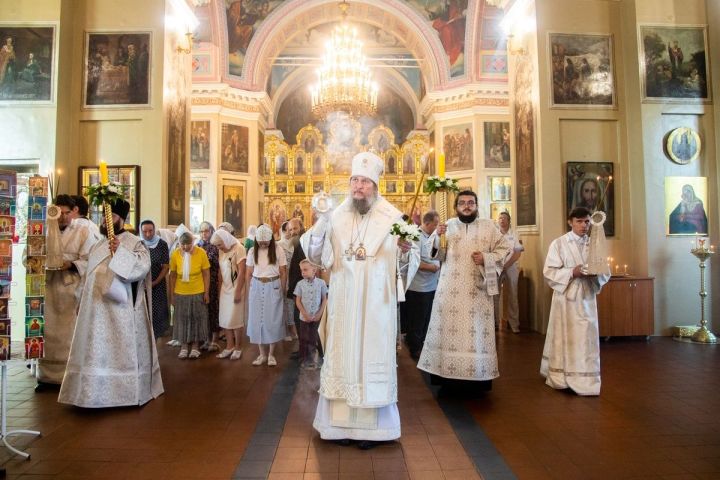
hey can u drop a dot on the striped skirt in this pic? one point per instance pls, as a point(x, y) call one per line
point(265, 312)
point(191, 319)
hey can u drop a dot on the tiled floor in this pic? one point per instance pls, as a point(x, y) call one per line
point(657, 417)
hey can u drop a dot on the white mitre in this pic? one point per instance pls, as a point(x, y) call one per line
point(367, 164)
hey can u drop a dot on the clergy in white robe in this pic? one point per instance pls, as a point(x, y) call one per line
point(571, 357)
point(113, 360)
point(460, 342)
point(62, 292)
point(358, 380)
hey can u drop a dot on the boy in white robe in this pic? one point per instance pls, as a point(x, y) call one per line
point(571, 357)
point(63, 291)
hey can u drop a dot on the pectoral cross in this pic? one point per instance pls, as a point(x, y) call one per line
point(349, 253)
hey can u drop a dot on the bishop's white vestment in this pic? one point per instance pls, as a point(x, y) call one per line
point(62, 296)
point(358, 380)
point(571, 357)
point(460, 342)
point(113, 361)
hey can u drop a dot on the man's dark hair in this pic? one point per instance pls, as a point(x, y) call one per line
point(82, 204)
point(465, 193)
point(65, 200)
point(147, 222)
point(430, 216)
point(578, 212)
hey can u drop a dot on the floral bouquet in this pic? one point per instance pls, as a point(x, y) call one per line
point(105, 193)
point(406, 231)
point(438, 184)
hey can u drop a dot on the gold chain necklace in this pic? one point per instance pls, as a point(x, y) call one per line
point(358, 253)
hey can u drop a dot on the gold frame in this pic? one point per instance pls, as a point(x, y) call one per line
point(125, 175)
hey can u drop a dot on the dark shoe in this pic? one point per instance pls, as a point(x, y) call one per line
point(344, 442)
point(45, 387)
point(368, 444)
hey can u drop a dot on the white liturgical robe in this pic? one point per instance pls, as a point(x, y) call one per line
point(62, 295)
point(460, 342)
point(571, 357)
point(113, 361)
point(358, 380)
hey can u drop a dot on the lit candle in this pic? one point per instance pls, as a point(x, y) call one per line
point(103, 173)
point(617, 268)
point(625, 269)
point(441, 165)
point(712, 248)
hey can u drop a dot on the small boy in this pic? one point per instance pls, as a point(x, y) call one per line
point(310, 298)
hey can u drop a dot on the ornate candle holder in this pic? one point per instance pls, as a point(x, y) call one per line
point(703, 335)
point(440, 186)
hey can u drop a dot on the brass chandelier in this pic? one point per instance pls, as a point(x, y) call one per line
point(345, 82)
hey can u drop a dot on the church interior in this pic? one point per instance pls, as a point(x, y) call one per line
point(210, 110)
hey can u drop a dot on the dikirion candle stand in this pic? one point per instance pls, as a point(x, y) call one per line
point(104, 195)
point(440, 185)
point(702, 252)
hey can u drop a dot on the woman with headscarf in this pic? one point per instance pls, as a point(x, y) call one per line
point(689, 216)
point(159, 267)
point(206, 232)
point(266, 274)
point(250, 237)
point(172, 239)
point(190, 294)
point(231, 286)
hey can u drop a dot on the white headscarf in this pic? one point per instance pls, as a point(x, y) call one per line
point(226, 226)
point(222, 237)
point(169, 237)
point(179, 231)
point(251, 232)
point(187, 259)
point(263, 234)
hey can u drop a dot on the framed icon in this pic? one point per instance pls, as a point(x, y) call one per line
point(683, 145)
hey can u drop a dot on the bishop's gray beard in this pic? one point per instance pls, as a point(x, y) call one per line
point(468, 218)
point(363, 205)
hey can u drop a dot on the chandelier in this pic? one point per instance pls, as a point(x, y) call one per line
point(344, 80)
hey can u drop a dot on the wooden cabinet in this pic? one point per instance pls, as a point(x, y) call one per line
point(625, 307)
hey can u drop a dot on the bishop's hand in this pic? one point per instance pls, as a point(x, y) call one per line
point(441, 229)
point(404, 245)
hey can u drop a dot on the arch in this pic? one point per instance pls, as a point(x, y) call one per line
point(297, 15)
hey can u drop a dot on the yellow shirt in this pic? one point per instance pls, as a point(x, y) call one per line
point(198, 262)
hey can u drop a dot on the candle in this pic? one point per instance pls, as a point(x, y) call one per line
point(712, 248)
point(441, 165)
point(103, 173)
point(625, 269)
point(617, 268)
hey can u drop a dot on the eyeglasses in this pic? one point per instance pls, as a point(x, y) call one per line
point(462, 203)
